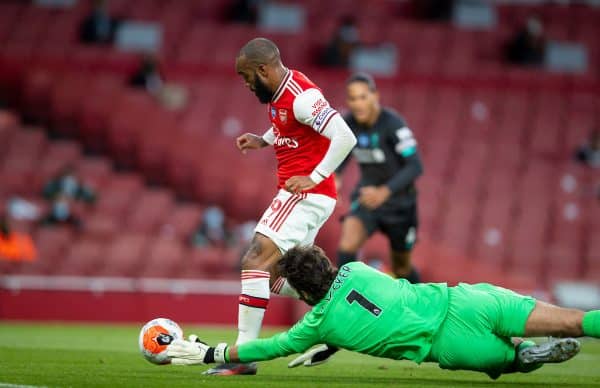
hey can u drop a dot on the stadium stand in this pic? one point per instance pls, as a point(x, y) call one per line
point(497, 140)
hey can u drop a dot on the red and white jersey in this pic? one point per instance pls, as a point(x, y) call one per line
point(299, 113)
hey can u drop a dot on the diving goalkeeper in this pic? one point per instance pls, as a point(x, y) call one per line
point(470, 327)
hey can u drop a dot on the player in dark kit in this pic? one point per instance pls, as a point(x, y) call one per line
point(385, 198)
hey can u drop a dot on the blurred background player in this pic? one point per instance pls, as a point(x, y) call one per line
point(385, 198)
point(310, 140)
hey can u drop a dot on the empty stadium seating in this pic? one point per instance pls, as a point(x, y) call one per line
point(496, 140)
point(132, 230)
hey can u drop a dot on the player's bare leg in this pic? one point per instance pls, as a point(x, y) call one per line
point(257, 264)
point(354, 235)
point(262, 255)
point(402, 266)
point(549, 320)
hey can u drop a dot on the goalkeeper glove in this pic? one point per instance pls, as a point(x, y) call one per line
point(195, 352)
point(314, 357)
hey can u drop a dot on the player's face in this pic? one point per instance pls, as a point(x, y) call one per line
point(254, 81)
point(261, 90)
point(361, 101)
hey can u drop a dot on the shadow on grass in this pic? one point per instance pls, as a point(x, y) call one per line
point(408, 381)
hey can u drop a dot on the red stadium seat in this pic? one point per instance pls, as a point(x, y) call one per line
point(83, 258)
point(125, 255)
point(36, 94)
point(94, 171)
point(492, 237)
point(125, 124)
point(182, 221)
point(51, 244)
point(121, 191)
point(95, 113)
point(149, 211)
point(101, 227)
point(164, 259)
point(59, 155)
point(66, 99)
point(153, 146)
point(212, 261)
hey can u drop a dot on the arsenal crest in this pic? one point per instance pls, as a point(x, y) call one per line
point(282, 115)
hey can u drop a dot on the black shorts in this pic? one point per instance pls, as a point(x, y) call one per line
point(398, 224)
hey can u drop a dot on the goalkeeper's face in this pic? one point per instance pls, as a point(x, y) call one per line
point(362, 102)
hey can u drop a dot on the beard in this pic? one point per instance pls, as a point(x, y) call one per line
point(261, 91)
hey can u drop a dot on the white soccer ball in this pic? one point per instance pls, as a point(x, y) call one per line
point(155, 336)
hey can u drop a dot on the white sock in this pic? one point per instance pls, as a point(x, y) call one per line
point(283, 287)
point(253, 302)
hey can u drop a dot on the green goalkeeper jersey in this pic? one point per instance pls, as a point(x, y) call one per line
point(364, 311)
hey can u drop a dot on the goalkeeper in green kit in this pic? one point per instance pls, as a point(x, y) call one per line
point(469, 327)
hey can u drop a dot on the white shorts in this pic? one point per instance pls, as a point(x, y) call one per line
point(295, 219)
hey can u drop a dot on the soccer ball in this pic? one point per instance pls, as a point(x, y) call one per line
point(155, 336)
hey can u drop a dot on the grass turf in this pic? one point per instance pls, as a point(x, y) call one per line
point(67, 355)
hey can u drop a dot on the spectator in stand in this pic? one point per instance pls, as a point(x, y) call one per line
point(61, 214)
point(244, 11)
point(4, 228)
point(98, 26)
point(21, 209)
point(15, 246)
point(529, 44)
point(67, 184)
point(435, 10)
point(589, 152)
point(148, 76)
point(345, 39)
point(212, 229)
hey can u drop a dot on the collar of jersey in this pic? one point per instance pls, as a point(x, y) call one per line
point(281, 88)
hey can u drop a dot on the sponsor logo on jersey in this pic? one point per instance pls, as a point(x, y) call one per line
point(369, 155)
point(363, 140)
point(283, 115)
point(276, 205)
point(286, 141)
point(273, 112)
point(319, 106)
point(374, 140)
point(322, 116)
point(407, 144)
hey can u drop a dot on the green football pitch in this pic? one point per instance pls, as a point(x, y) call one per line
point(68, 355)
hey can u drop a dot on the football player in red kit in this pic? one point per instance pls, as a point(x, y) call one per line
point(310, 140)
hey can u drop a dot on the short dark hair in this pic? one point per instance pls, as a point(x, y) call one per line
point(260, 51)
point(309, 271)
point(364, 78)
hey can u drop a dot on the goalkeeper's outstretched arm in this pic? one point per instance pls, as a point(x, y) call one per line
point(296, 340)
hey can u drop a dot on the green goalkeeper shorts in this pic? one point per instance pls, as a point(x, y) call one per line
point(476, 334)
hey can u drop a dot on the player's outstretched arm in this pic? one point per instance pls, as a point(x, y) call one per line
point(296, 340)
point(196, 352)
